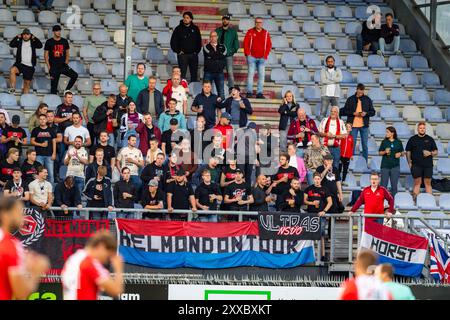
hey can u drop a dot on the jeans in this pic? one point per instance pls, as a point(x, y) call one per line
point(208, 218)
point(191, 60)
point(61, 154)
point(325, 103)
point(79, 183)
point(56, 72)
point(283, 140)
point(112, 140)
point(343, 167)
point(364, 134)
point(47, 3)
point(393, 46)
point(219, 80)
point(310, 177)
point(48, 163)
point(390, 174)
point(360, 44)
point(230, 72)
point(254, 63)
point(336, 153)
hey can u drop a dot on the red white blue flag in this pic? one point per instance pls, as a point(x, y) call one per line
point(177, 244)
point(439, 260)
point(404, 251)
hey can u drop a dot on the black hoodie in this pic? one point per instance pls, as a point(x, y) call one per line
point(186, 38)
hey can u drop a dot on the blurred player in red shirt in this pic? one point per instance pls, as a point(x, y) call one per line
point(19, 270)
point(364, 286)
point(84, 274)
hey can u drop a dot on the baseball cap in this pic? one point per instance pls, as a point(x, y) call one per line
point(15, 119)
point(26, 31)
point(235, 87)
point(238, 171)
point(251, 125)
point(173, 121)
point(226, 17)
point(180, 172)
point(153, 183)
point(226, 115)
point(56, 27)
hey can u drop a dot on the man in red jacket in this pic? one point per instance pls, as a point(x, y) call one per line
point(373, 199)
point(147, 131)
point(257, 46)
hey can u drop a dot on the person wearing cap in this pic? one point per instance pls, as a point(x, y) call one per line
point(238, 107)
point(153, 199)
point(172, 113)
point(215, 55)
point(257, 46)
point(125, 193)
point(180, 196)
point(332, 181)
point(26, 44)
point(186, 42)
point(225, 129)
point(57, 56)
point(238, 195)
point(171, 137)
point(14, 136)
point(208, 105)
point(228, 36)
point(67, 195)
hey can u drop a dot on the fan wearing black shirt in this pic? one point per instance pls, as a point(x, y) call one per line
point(180, 195)
point(67, 195)
point(57, 55)
point(282, 179)
point(261, 195)
point(332, 181)
point(318, 200)
point(29, 167)
point(14, 136)
point(292, 199)
point(420, 150)
point(208, 196)
point(228, 175)
point(238, 195)
point(198, 143)
point(154, 171)
point(8, 165)
point(125, 194)
point(16, 186)
point(108, 151)
point(170, 170)
point(153, 199)
point(171, 137)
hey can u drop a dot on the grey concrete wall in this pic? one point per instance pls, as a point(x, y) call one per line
point(418, 29)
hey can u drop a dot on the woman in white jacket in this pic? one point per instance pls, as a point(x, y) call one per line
point(128, 123)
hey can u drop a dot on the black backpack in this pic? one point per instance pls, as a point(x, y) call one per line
point(441, 185)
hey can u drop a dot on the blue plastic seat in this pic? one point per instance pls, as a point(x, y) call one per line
point(100, 36)
point(390, 113)
point(156, 22)
point(377, 129)
point(355, 61)
point(311, 93)
point(89, 53)
point(102, 5)
point(301, 11)
point(408, 46)
point(375, 163)
point(311, 60)
point(41, 84)
point(353, 28)
point(258, 10)
point(421, 96)
point(10, 32)
point(434, 114)
point(167, 7)
point(426, 201)
point(7, 100)
point(347, 77)
point(366, 77)
point(109, 86)
point(409, 79)
point(47, 18)
point(52, 100)
point(399, 95)
point(311, 27)
point(364, 180)
point(351, 183)
point(98, 69)
point(25, 17)
point(343, 12)
point(85, 85)
point(163, 39)
point(443, 130)
point(332, 28)
point(301, 43)
point(279, 10)
point(246, 24)
point(78, 100)
point(302, 76)
point(419, 63)
point(113, 20)
point(290, 59)
point(143, 38)
point(377, 95)
point(375, 61)
point(404, 201)
point(442, 97)
point(111, 54)
point(359, 165)
point(430, 79)
point(6, 17)
point(444, 201)
point(279, 75)
point(145, 6)
point(322, 44)
point(290, 26)
point(361, 13)
point(237, 9)
point(443, 166)
point(272, 60)
point(397, 63)
point(293, 89)
point(322, 12)
point(372, 147)
point(4, 50)
point(344, 45)
point(29, 101)
point(79, 36)
point(403, 131)
point(412, 113)
point(271, 26)
point(388, 79)
point(91, 19)
point(280, 43)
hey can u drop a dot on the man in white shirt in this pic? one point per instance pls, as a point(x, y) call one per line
point(41, 192)
point(330, 77)
point(131, 157)
point(332, 130)
point(76, 130)
point(178, 92)
point(76, 158)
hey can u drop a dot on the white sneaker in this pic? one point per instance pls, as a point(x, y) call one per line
point(380, 53)
point(11, 91)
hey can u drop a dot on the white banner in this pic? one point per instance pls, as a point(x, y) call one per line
point(211, 292)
